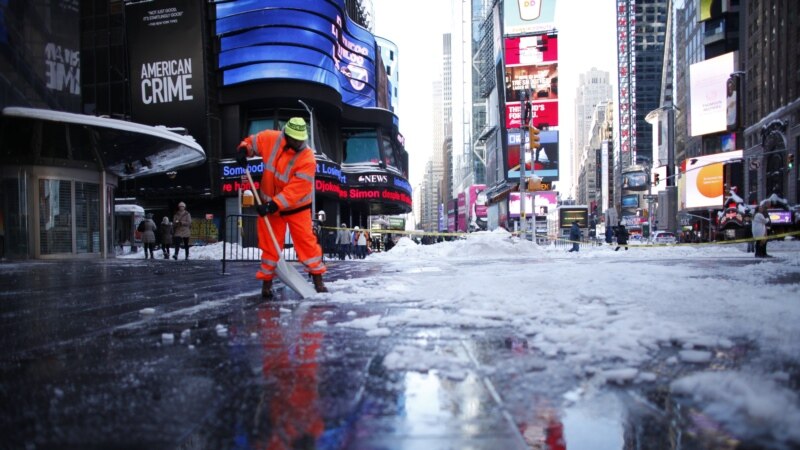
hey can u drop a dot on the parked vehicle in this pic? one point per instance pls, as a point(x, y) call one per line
point(663, 237)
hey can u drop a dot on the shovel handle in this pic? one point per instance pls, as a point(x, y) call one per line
point(266, 221)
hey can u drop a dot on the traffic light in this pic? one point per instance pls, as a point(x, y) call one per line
point(656, 178)
point(790, 161)
point(534, 133)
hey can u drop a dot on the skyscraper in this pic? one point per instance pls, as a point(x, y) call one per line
point(641, 35)
point(593, 88)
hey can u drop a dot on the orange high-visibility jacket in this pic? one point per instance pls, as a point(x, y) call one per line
point(288, 177)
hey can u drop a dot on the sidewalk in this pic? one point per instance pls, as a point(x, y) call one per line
point(172, 354)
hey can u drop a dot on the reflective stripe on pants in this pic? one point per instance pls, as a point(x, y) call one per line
point(305, 242)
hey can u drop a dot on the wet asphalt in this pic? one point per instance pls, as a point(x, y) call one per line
point(175, 354)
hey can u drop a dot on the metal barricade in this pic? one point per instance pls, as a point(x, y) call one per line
point(241, 240)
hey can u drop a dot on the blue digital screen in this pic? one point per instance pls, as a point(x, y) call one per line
point(299, 40)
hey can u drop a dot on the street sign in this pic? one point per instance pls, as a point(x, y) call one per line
point(650, 198)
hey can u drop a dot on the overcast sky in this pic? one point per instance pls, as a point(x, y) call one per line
point(586, 39)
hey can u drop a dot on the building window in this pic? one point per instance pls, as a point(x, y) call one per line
point(360, 146)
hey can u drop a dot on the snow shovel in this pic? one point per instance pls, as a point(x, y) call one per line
point(287, 274)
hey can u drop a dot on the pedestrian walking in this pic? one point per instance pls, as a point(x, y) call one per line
point(575, 236)
point(165, 235)
point(759, 227)
point(181, 230)
point(343, 241)
point(286, 190)
point(612, 220)
point(361, 243)
point(148, 229)
point(622, 238)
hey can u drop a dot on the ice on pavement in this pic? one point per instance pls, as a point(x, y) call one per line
point(609, 314)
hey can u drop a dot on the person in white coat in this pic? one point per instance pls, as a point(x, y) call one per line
point(759, 227)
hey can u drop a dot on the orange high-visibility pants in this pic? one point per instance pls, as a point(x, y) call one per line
point(305, 243)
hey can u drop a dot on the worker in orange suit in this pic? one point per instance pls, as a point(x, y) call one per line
point(286, 191)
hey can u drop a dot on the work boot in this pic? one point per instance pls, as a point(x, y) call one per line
point(266, 290)
point(319, 286)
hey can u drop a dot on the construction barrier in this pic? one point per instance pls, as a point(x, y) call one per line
point(563, 242)
point(241, 240)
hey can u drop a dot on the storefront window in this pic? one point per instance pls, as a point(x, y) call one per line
point(55, 216)
point(13, 219)
point(87, 218)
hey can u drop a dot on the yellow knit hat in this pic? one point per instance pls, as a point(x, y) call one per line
point(296, 129)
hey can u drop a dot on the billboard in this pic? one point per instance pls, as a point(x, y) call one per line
point(531, 67)
point(543, 202)
point(310, 41)
point(528, 16)
point(40, 44)
point(462, 212)
point(708, 81)
point(703, 186)
point(543, 113)
point(713, 9)
point(167, 73)
point(477, 206)
point(544, 162)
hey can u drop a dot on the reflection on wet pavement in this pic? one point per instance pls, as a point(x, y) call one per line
point(148, 355)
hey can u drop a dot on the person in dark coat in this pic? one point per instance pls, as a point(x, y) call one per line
point(622, 237)
point(575, 236)
point(149, 235)
point(165, 234)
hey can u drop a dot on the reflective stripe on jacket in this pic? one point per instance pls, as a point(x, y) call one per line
point(288, 177)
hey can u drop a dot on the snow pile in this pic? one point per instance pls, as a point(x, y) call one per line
point(752, 405)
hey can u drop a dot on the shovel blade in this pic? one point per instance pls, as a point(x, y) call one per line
point(294, 279)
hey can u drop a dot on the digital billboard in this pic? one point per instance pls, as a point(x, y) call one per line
point(531, 69)
point(297, 40)
point(703, 186)
point(544, 160)
point(708, 81)
point(543, 203)
point(528, 16)
point(165, 49)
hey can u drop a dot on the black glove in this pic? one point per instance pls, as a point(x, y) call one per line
point(241, 156)
point(266, 208)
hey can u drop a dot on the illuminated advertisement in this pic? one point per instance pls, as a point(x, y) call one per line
point(461, 216)
point(329, 180)
point(703, 186)
point(531, 66)
point(165, 48)
point(566, 215)
point(531, 63)
point(451, 215)
point(778, 217)
point(713, 9)
point(528, 16)
point(297, 40)
point(544, 161)
point(543, 202)
point(708, 81)
point(544, 114)
point(477, 201)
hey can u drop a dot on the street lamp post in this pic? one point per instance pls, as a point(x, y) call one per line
point(311, 138)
